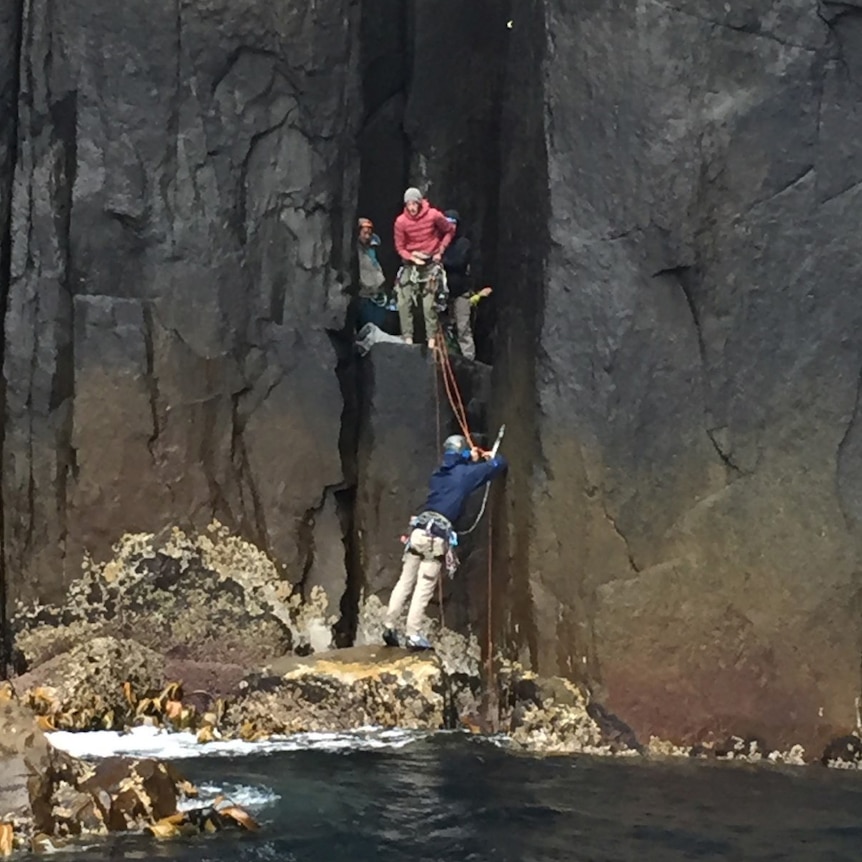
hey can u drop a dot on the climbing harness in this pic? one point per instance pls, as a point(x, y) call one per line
point(427, 279)
point(436, 526)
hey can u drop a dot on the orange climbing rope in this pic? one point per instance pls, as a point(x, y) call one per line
point(450, 382)
point(441, 356)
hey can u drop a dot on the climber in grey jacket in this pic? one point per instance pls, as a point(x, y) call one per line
point(372, 299)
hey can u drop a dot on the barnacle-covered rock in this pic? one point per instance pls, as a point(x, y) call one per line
point(555, 716)
point(47, 796)
point(115, 795)
point(341, 690)
point(209, 596)
point(93, 686)
point(25, 773)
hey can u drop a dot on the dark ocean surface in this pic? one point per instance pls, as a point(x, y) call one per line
point(454, 798)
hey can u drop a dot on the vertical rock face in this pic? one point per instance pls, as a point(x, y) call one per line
point(397, 453)
point(10, 22)
point(664, 195)
point(689, 536)
point(385, 62)
point(184, 174)
point(452, 115)
point(10, 37)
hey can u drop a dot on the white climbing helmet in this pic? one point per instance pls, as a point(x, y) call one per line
point(456, 443)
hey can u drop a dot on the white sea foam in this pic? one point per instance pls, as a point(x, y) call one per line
point(153, 742)
point(251, 798)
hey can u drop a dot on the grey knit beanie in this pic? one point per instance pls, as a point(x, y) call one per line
point(412, 195)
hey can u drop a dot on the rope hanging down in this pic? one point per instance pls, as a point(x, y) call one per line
point(441, 356)
point(450, 383)
point(457, 404)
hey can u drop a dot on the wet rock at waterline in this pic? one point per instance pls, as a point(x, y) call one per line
point(26, 760)
point(115, 684)
point(556, 716)
point(93, 685)
point(102, 687)
point(343, 690)
point(83, 677)
point(48, 798)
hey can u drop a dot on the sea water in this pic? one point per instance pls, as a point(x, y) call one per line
point(397, 796)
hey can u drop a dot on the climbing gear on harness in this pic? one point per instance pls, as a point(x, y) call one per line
point(441, 293)
point(429, 278)
point(385, 301)
point(421, 286)
point(435, 525)
point(381, 300)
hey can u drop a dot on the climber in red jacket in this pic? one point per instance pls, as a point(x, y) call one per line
point(422, 234)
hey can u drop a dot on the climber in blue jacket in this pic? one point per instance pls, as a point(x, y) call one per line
point(432, 535)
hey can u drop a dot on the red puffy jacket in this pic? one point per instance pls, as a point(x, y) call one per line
point(428, 231)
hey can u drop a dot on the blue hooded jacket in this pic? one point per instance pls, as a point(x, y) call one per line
point(455, 479)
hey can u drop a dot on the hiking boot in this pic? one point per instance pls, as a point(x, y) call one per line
point(390, 637)
point(418, 642)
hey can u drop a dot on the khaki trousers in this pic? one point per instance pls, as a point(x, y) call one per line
point(410, 291)
point(419, 574)
point(461, 309)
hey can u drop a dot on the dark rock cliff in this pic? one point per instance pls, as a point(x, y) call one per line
point(686, 524)
point(663, 196)
point(183, 205)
